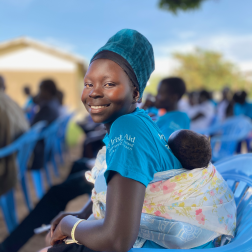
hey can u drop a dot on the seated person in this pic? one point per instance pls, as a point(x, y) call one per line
point(149, 106)
point(194, 153)
point(170, 91)
point(30, 106)
point(193, 150)
point(136, 157)
point(241, 105)
point(12, 125)
point(222, 107)
point(49, 110)
point(202, 114)
point(48, 102)
point(63, 109)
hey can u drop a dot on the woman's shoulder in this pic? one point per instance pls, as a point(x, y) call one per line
point(134, 120)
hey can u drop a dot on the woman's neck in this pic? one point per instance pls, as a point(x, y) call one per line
point(108, 125)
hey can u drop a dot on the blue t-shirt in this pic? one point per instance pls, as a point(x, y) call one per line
point(137, 149)
point(172, 121)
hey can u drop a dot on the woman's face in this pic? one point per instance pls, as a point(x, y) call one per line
point(108, 92)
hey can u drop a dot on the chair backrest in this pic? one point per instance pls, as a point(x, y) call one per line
point(237, 171)
point(227, 135)
point(53, 132)
point(23, 146)
point(63, 122)
point(27, 144)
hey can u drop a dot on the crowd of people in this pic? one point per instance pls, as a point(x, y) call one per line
point(201, 109)
point(132, 140)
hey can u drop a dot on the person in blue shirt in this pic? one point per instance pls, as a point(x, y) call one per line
point(30, 106)
point(242, 106)
point(170, 91)
point(136, 148)
point(149, 106)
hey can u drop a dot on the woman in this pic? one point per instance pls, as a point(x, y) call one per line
point(136, 148)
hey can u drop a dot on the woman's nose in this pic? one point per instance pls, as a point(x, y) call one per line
point(96, 92)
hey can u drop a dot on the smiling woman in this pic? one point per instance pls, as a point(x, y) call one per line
point(135, 149)
point(108, 92)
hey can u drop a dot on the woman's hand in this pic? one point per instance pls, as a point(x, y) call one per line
point(123, 209)
point(57, 235)
point(83, 214)
point(59, 217)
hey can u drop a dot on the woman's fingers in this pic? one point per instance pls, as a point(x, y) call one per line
point(59, 217)
point(57, 220)
point(57, 236)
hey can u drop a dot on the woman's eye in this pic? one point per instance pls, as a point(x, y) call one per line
point(88, 85)
point(109, 85)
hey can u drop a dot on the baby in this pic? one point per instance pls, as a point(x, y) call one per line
point(193, 150)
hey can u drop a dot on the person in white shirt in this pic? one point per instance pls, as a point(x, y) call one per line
point(202, 114)
point(223, 104)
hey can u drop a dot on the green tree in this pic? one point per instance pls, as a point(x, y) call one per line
point(205, 69)
point(209, 69)
point(153, 83)
point(184, 5)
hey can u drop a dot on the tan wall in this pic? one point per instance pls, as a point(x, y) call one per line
point(69, 83)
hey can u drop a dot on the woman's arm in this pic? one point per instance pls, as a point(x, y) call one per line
point(119, 229)
point(83, 214)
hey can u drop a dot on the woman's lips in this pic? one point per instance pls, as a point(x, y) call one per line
point(97, 108)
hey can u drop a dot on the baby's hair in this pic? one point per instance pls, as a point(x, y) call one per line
point(191, 149)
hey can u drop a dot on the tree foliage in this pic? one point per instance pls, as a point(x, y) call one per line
point(205, 69)
point(184, 5)
point(208, 69)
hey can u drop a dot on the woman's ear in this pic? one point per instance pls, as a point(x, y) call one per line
point(136, 95)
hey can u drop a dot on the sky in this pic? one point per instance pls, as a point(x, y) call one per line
point(83, 26)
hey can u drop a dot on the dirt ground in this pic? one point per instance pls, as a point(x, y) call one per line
point(38, 241)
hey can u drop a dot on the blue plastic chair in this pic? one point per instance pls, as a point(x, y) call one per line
point(7, 204)
point(237, 170)
point(60, 145)
point(48, 135)
point(227, 135)
point(23, 146)
point(53, 136)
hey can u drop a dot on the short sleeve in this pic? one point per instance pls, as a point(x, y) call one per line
point(131, 150)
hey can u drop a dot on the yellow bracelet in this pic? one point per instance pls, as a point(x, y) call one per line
point(73, 230)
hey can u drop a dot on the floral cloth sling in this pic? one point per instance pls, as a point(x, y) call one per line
point(182, 208)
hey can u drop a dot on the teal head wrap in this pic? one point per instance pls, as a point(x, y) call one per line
point(133, 47)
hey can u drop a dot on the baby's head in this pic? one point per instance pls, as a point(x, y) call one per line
point(191, 149)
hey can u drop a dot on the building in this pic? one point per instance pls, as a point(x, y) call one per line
point(25, 62)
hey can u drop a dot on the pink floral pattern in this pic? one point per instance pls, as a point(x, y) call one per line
point(166, 215)
point(168, 186)
point(200, 217)
point(199, 197)
point(155, 186)
point(199, 211)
